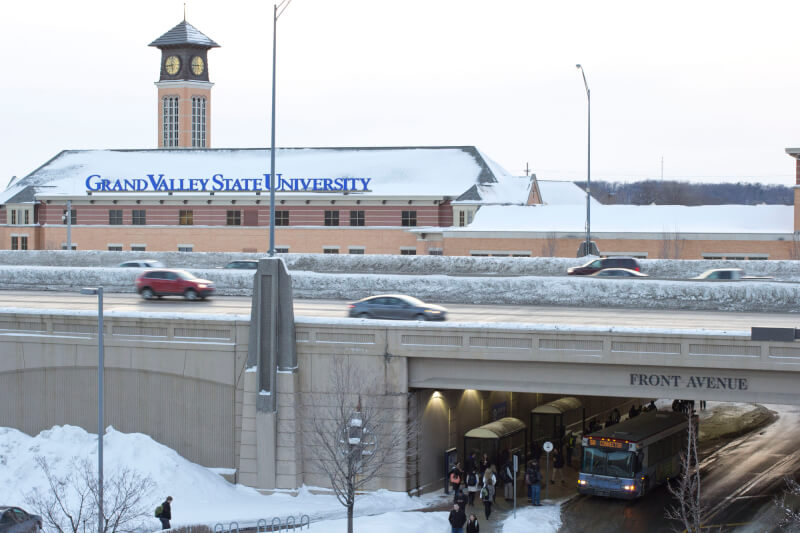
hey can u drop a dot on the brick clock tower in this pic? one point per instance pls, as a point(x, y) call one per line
point(184, 92)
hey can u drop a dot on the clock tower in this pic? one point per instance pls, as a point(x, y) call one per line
point(184, 91)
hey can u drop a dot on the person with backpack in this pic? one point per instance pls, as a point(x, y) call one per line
point(457, 519)
point(507, 476)
point(472, 486)
point(455, 477)
point(472, 524)
point(536, 480)
point(486, 498)
point(164, 513)
point(490, 481)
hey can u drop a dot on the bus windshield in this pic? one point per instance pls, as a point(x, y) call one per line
point(609, 463)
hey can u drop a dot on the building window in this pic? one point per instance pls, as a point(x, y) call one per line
point(330, 249)
point(73, 246)
point(185, 217)
point(408, 251)
point(355, 250)
point(115, 217)
point(233, 218)
point(198, 122)
point(19, 242)
point(356, 218)
point(27, 216)
point(332, 218)
point(409, 218)
point(139, 217)
point(14, 242)
point(186, 248)
point(282, 218)
point(73, 216)
point(169, 114)
point(281, 249)
point(138, 247)
point(13, 219)
point(435, 251)
point(114, 247)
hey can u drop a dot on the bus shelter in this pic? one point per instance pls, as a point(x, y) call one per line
point(499, 440)
point(549, 421)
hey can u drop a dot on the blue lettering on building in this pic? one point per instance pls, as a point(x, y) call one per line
point(156, 182)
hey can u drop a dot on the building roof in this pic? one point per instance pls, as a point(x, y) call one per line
point(659, 219)
point(184, 34)
point(563, 193)
point(437, 172)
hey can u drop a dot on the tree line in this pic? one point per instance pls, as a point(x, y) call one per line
point(669, 192)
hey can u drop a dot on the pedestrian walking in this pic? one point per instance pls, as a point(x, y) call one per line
point(460, 499)
point(571, 441)
point(702, 405)
point(484, 464)
point(508, 480)
point(486, 498)
point(615, 416)
point(165, 514)
point(471, 463)
point(536, 487)
point(558, 466)
point(455, 477)
point(473, 485)
point(490, 481)
point(457, 519)
point(472, 524)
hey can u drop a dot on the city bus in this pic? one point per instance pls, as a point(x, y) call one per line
point(628, 459)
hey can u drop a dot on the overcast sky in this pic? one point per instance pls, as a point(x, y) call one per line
point(710, 86)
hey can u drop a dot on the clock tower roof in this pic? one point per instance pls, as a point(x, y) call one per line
point(184, 34)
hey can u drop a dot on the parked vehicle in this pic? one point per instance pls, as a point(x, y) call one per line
point(245, 264)
point(397, 307)
point(605, 262)
point(173, 282)
point(142, 263)
point(16, 520)
point(618, 273)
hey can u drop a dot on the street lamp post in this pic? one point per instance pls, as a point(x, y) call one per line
point(100, 369)
point(588, 245)
point(278, 11)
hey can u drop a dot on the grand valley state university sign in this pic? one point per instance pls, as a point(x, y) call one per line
point(219, 183)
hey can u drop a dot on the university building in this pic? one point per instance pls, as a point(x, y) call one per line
point(441, 200)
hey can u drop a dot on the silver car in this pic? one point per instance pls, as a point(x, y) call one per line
point(396, 307)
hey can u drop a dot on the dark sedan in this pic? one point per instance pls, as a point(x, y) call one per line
point(618, 273)
point(396, 307)
point(15, 520)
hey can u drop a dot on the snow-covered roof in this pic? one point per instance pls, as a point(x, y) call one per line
point(563, 193)
point(404, 171)
point(636, 218)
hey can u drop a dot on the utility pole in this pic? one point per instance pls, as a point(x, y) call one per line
point(68, 216)
point(662, 168)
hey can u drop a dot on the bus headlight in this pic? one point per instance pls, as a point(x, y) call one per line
point(581, 482)
point(630, 488)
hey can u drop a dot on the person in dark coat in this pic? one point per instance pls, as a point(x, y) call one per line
point(486, 497)
point(472, 524)
point(166, 513)
point(456, 477)
point(558, 466)
point(457, 519)
point(461, 500)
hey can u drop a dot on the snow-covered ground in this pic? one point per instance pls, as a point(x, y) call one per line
point(203, 497)
point(759, 296)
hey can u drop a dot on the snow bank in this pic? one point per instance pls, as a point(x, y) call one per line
point(393, 264)
point(545, 519)
point(200, 495)
point(760, 296)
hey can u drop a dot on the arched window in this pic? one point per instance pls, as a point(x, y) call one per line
point(169, 112)
point(198, 122)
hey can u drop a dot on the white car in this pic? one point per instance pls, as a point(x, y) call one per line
point(142, 263)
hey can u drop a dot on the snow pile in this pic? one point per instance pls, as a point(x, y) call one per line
point(393, 264)
point(543, 519)
point(200, 495)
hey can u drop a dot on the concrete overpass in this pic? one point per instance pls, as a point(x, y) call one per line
point(185, 380)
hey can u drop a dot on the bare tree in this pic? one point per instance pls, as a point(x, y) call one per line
point(549, 245)
point(70, 503)
point(671, 245)
point(356, 439)
point(790, 514)
point(688, 508)
point(794, 249)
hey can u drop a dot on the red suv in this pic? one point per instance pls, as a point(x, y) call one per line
point(173, 282)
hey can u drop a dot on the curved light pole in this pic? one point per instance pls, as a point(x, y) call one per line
point(588, 244)
point(278, 11)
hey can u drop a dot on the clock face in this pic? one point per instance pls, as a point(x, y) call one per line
point(197, 65)
point(172, 64)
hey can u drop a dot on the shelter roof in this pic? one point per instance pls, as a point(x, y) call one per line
point(557, 407)
point(497, 429)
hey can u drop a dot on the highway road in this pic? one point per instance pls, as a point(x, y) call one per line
point(646, 318)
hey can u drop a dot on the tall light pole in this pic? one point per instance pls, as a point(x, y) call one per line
point(100, 369)
point(588, 245)
point(278, 11)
